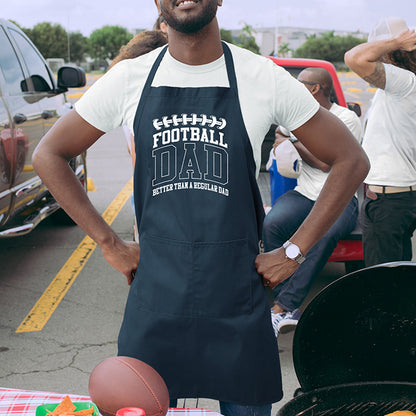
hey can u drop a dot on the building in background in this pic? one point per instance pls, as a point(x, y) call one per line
point(270, 39)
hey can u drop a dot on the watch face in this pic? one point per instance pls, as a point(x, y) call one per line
point(292, 251)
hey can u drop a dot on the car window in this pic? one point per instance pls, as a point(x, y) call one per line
point(36, 66)
point(10, 66)
point(294, 71)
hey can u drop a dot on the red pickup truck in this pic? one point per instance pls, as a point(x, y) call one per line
point(350, 249)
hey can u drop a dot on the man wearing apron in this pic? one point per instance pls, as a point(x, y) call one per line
point(197, 310)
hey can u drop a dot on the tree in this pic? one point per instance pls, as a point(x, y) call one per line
point(226, 36)
point(283, 50)
point(50, 39)
point(78, 47)
point(328, 47)
point(105, 43)
point(247, 40)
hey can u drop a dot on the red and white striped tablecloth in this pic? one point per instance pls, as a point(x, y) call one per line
point(24, 403)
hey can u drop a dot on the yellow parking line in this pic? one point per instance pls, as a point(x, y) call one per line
point(354, 89)
point(55, 292)
point(75, 95)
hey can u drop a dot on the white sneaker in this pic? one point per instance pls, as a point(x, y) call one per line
point(288, 322)
point(276, 319)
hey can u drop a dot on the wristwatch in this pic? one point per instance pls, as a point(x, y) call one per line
point(293, 252)
point(293, 139)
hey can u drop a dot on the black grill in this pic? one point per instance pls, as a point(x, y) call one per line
point(359, 409)
point(354, 336)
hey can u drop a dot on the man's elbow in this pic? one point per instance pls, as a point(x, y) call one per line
point(361, 164)
point(39, 158)
point(348, 58)
point(352, 60)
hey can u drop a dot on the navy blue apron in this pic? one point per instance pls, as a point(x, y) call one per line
point(197, 310)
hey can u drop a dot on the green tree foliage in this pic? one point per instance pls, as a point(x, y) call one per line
point(328, 47)
point(78, 47)
point(283, 50)
point(226, 36)
point(247, 40)
point(50, 39)
point(105, 43)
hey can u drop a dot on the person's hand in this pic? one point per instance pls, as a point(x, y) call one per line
point(124, 256)
point(407, 40)
point(278, 140)
point(275, 267)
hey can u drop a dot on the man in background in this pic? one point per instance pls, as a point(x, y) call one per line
point(290, 210)
point(388, 61)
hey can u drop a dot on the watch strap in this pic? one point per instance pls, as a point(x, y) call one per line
point(299, 258)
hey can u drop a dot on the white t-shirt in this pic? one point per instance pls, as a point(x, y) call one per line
point(268, 93)
point(390, 136)
point(311, 180)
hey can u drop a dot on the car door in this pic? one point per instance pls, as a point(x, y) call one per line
point(43, 83)
point(27, 122)
point(6, 145)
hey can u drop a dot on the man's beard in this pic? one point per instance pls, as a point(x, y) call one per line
point(191, 24)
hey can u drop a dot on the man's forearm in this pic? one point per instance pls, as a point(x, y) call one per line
point(328, 139)
point(61, 181)
point(365, 59)
point(340, 186)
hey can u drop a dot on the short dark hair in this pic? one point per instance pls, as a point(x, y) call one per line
point(323, 78)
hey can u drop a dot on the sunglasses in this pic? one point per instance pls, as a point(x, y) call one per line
point(308, 82)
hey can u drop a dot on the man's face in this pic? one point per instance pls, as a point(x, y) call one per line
point(188, 16)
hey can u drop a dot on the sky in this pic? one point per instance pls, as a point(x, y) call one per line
point(87, 15)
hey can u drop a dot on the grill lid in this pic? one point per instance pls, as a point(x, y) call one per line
point(360, 328)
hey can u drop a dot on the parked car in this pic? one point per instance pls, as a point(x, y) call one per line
point(31, 100)
point(350, 249)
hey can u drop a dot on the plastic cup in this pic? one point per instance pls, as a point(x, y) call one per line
point(131, 411)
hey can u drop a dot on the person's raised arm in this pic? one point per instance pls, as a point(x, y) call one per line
point(69, 137)
point(366, 59)
point(329, 140)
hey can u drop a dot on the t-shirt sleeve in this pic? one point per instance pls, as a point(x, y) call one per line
point(399, 82)
point(353, 123)
point(102, 104)
point(294, 105)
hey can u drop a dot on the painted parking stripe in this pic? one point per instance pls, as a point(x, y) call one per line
point(37, 318)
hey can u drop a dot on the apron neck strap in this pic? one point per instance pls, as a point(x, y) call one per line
point(228, 62)
point(230, 66)
point(155, 67)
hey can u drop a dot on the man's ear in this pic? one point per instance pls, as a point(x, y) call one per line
point(315, 88)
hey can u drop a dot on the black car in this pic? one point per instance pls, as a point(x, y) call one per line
point(31, 100)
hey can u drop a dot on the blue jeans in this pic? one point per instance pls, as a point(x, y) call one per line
point(230, 409)
point(280, 224)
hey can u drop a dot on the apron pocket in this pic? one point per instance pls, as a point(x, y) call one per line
point(164, 276)
point(194, 279)
point(222, 276)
